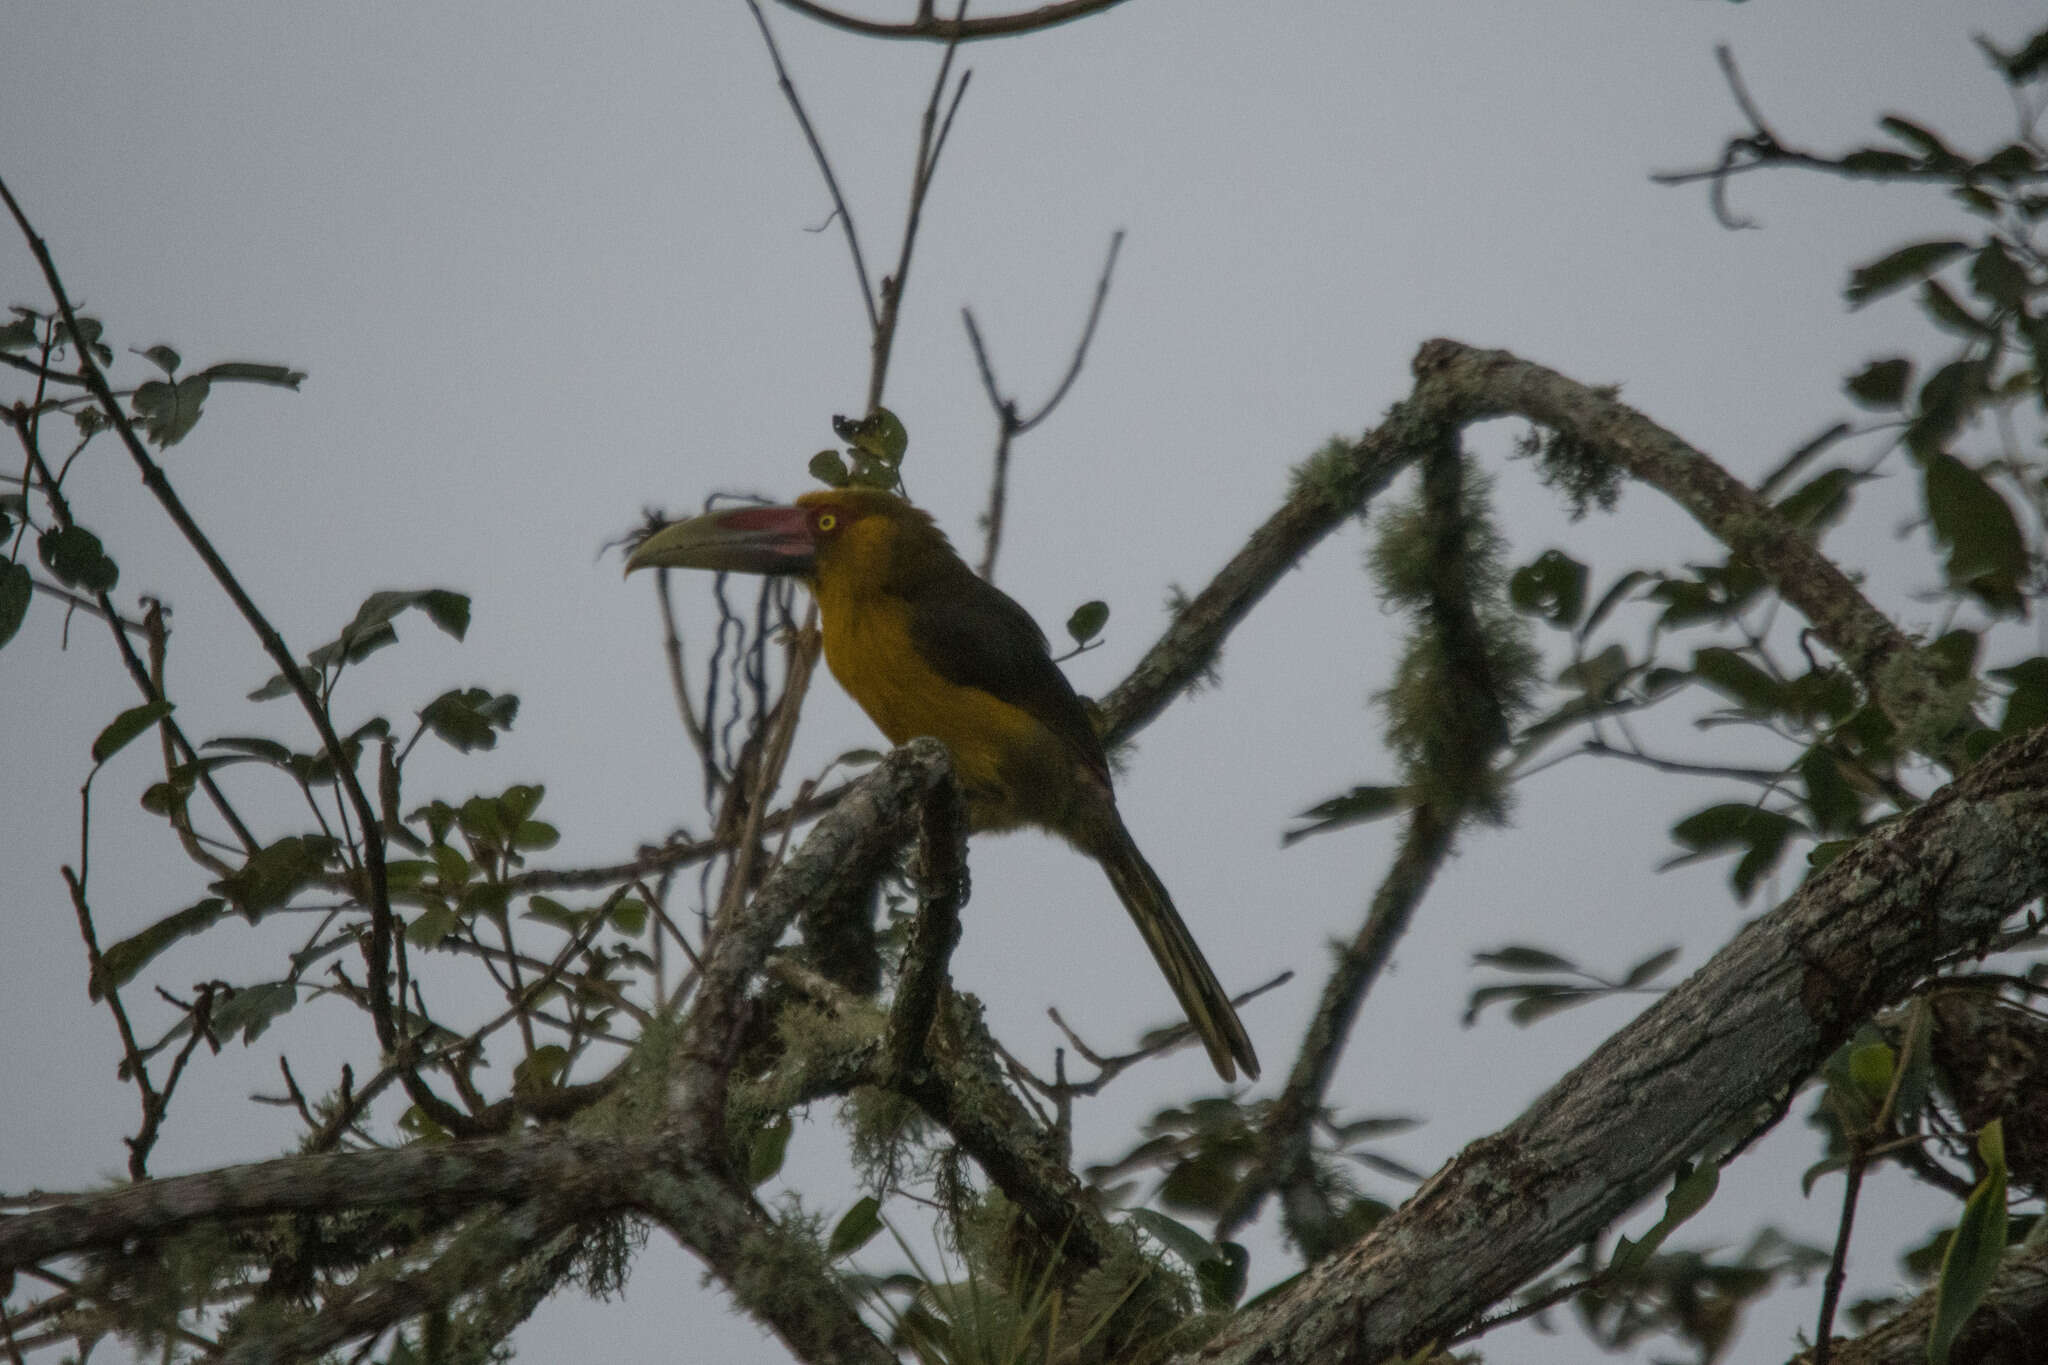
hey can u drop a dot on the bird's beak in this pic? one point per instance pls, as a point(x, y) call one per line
point(772, 540)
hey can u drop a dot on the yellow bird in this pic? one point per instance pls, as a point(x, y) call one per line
point(927, 647)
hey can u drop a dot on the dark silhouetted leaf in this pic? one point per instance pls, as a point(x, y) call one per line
point(1356, 806)
point(2026, 706)
point(855, 1228)
point(16, 587)
point(1900, 268)
point(1649, 969)
point(1552, 586)
point(125, 727)
point(249, 1011)
point(470, 718)
point(1520, 957)
point(1689, 1194)
point(765, 1152)
point(1997, 277)
point(540, 1070)
point(255, 372)
point(1736, 678)
point(74, 555)
point(1087, 621)
point(164, 358)
point(1881, 383)
point(275, 873)
point(1987, 552)
point(120, 963)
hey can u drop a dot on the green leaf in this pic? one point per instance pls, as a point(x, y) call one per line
point(855, 1228)
point(629, 916)
point(164, 358)
point(254, 372)
point(1974, 1251)
point(1998, 278)
point(1900, 268)
point(540, 1070)
point(879, 436)
point(1649, 969)
point(1881, 383)
point(1087, 621)
point(534, 835)
point(249, 1011)
point(74, 555)
point(1552, 586)
point(1736, 678)
point(1356, 806)
point(548, 910)
point(2026, 706)
point(1690, 1192)
point(169, 410)
point(88, 335)
point(1721, 828)
point(1177, 1237)
point(1987, 552)
point(1933, 151)
point(255, 747)
point(432, 926)
point(18, 335)
point(1222, 1278)
point(1613, 598)
point(16, 587)
point(470, 718)
point(1870, 1069)
point(1833, 801)
point(827, 468)
point(120, 963)
point(1597, 674)
point(1520, 957)
point(276, 873)
point(126, 727)
point(765, 1152)
point(1819, 502)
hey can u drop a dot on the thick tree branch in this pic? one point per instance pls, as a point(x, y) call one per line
point(942, 890)
point(846, 851)
point(598, 1171)
point(1741, 1032)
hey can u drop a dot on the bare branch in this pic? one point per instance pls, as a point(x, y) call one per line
point(839, 208)
point(958, 29)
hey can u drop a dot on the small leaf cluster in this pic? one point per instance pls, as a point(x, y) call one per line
point(873, 457)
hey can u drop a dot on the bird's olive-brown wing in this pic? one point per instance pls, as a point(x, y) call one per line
point(975, 635)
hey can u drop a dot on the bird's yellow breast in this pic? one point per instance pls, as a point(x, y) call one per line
point(869, 650)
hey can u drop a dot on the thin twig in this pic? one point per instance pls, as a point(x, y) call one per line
point(839, 208)
point(959, 29)
point(1009, 423)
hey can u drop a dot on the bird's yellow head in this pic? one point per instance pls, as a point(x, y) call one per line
point(863, 533)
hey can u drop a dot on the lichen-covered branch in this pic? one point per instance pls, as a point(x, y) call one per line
point(846, 851)
point(599, 1171)
point(1471, 385)
point(1734, 1038)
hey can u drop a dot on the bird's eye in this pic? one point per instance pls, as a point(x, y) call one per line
point(827, 521)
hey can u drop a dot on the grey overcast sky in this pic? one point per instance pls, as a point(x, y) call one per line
point(547, 264)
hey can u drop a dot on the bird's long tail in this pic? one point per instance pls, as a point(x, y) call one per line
point(1202, 998)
